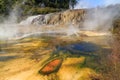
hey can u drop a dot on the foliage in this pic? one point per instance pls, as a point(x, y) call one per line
point(56, 3)
point(116, 26)
point(35, 5)
point(116, 29)
point(36, 10)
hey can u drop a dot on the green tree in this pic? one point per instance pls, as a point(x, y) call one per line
point(6, 5)
point(26, 5)
point(57, 3)
point(72, 3)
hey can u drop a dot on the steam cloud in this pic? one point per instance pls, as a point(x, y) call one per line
point(9, 27)
point(96, 19)
point(99, 18)
point(111, 2)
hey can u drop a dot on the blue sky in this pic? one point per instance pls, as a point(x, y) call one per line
point(95, 3)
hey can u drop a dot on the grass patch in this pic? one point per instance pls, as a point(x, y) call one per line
point(38, 10)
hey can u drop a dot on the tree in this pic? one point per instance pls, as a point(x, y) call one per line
point(57, 3)
point(7, 5)
point(72, 3)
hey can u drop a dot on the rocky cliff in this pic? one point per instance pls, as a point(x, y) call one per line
point(65, 17)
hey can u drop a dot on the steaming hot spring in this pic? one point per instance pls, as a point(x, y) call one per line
point(54, 46)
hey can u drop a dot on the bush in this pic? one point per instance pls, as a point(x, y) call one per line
point(44, 10)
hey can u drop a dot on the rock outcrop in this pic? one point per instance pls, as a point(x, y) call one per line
point(65, 17)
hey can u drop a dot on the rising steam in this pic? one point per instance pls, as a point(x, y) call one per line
point(99, 19)
point(9, 27)
point(102, 16)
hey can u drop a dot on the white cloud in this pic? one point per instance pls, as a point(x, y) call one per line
point(87, 4)
point(82, 4)
point(111, 2)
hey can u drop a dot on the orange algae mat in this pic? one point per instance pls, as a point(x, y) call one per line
point(52, 66)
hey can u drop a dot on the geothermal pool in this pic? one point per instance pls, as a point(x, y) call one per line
point(27, 49)
point(21, 59)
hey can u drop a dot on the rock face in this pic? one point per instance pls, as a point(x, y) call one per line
point(65, 17)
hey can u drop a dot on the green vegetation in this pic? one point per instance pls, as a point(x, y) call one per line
point(116, 25)
point(38, 10)
point(6, 5)
point(29, 7)
point(56, 3)
point(116, 29)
